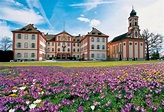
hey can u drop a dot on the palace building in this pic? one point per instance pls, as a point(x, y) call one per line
point(31, 44)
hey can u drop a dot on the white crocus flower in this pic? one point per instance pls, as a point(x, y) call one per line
point(22, 88)
point(93, 107)
point(37, 101)
point(14, 91)
point(12, 110)
point(32, 106)
point(27, 102)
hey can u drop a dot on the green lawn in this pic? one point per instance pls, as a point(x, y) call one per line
point(75, 64)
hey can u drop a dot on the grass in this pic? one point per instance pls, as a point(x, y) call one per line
point(76, 64)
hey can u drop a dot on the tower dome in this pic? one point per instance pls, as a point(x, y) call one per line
point(133, 13)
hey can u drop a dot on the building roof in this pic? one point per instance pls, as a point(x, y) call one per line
point(133, 13)
point(27, 28)
point(50, 37)
point(77, 38)
point(96, 32)
point(120, 37)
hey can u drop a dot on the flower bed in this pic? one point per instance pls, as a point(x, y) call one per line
point(124, 88)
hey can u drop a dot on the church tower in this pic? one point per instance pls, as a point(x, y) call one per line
point(133, 29)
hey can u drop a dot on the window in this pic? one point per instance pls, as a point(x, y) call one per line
point(58, 49)
point(103, 46)
point(25, 55)
point(92, 55)
point(136, 34)
point(18, 55)
point(33, 37)
point(26, 45)
point(25, 36)
point(92, 39)
point(136, 23)
point(130, 43)
point(33, 45)
point(59, 38)
point(124, 44)
point(98, 39)
point(52, 49)
point(103, 39)
point(141, 44)
point(77, 50)
point(120, 48)
point(58, 43)
point(52, 43)
point(19, 36)
point(19, 45)
point(68, 44)
point(98, 47)
point(135, 43)
point(103, 55)
point(98, 55)
point(92, 46)
point(74, 50)
point(130, 24)
point(32, 55)
point(77, 44)
point(48, 49)
point(77, 56)
point(68, 38)
point(48, 43)
point(73, 44)
point(68, 49)
point(63, 50)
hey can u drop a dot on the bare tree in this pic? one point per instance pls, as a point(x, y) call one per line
point(153, 42)
point(5, 43)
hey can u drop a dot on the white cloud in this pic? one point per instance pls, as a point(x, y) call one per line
point(92, 23)
point(12, 2)
point(5, 30)
point(21, 16)
point(83, 19)
point(91, 4)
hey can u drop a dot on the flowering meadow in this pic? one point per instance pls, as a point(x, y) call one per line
point(83, 89)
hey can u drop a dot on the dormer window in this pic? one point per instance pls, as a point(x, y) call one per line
point(93, 33)
point(99, 33)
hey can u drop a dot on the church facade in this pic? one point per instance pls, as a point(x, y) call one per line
point(130, 45)
point(31, 44)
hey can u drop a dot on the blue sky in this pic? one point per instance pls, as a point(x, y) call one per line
point(79, 16)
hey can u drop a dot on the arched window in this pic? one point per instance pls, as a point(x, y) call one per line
point(74, 50)
point(33, 45)
point(98, 47)
point(68, 49)
point(25, 55)
point(98, 55)
point(92, 55)
point(18, 55)
point(77, 50)
point(19, 36)
point(58, 49)
point(33, 37)
point(18, 45)
point(103, 46)
point(136, 34)
point(92, 46)
point(92, 39)
point(25, 45)
point(103, 55)
point(32, 55)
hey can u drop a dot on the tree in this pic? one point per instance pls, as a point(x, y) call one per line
point(153, 43)
point(5, 43)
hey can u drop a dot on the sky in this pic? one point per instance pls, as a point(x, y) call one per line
point(79, 16)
